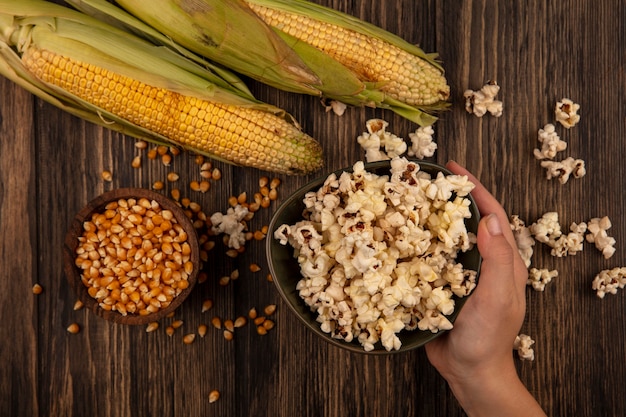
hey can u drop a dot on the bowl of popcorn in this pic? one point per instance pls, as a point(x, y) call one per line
point(378, 257)
point(131, 256)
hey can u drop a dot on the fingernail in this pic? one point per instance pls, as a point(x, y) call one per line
point(493, 225)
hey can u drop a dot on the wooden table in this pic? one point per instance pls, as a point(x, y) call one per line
point(539, 52)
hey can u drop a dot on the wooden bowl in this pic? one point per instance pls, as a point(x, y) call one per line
point(76, 230)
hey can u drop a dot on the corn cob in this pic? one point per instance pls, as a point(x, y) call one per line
point(240, 135)
point(356, 63)
point(56, 57)
point(403, 75)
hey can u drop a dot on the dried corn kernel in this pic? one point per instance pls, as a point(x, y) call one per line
point(152, 326)
point(37, 289)
point(73, 328)
point(214, 396)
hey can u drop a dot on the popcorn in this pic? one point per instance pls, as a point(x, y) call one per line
point(523, 239)
point(379, 144)
point(523, 347)
point(550, 141)
point(422, 145)
point(551, 144)
point(377, 253)
point(434, 321)
point(231, 224)
point(570, 244)
point(609, 281)
point(563, 169)
point(566, 112)
point(547, 229)
point(597, 234)
point(538, 278)
point(483, 101)
point(337, 107)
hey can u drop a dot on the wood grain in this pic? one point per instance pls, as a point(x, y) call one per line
point(539, 52)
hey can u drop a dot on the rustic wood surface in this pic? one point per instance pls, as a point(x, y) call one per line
point(539, 52)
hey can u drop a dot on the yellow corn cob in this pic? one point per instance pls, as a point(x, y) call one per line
point(402, 75)
point(237, 134)
point(352, 61)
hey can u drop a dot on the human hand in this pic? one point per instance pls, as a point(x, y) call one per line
point(476, 356)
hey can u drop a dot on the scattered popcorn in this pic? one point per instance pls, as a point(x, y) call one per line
point(335, 106)
point(380, 145)
point(422, 145)
point(563, 169)
point(596, 233)
point(538, 278)
point(377, 253)
point(523, 238)
point(523, 347)
point(571, 243)
point(566, 112)
point(550, 141)
point(231, 224)
point(483, 101)
point(609, 281)
point(546, 229)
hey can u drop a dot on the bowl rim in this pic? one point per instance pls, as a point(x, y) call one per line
point(75, 230)
point(354, 346)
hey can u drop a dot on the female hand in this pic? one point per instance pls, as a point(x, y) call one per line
point(476, 356)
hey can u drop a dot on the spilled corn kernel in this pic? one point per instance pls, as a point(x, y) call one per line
point(269, 309)
point(152, 326)
point(216, 322)
point(229, 325)
point(214, 396)
point(73, 328)
point(207, 305)
point(240, 322)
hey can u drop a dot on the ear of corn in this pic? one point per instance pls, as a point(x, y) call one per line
point(94, 71)
point(355, 62)
point(345, 86)
point(211, 34)
point(114, 16)
point(375, 55)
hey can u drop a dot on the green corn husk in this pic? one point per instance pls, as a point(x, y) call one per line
point(79, 36)
point(213, 33)
point(192, 22)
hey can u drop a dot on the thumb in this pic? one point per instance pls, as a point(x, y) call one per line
point(498, 265)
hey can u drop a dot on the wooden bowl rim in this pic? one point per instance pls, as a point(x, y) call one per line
point(72, 272)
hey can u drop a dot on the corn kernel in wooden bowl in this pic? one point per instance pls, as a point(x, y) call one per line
point(132, 256)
